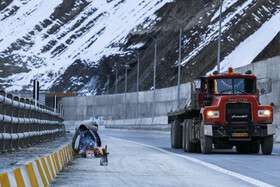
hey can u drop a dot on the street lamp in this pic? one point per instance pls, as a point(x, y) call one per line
point(181, 25)
point(220, 37)
point(126, 68)
point(149, 33)
point(116, 81)
point(138, 71)
point(125, 102)
point(154, 80)
point(137, 84)
point(108, 84)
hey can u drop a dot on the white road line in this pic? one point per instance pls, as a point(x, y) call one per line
point(249, 180)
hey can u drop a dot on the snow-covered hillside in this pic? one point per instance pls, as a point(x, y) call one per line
point(46, 37)
point(79, 45)
point(250, 48)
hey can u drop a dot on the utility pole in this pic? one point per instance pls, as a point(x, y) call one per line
point(154, 80)
point(220, 38)
point(116, 81)
point(126, 67)
point(55, 100)
point(179, 69)
point(138, 72)
point(108, 84)
point(125, 99)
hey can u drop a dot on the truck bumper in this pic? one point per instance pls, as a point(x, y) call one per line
point(236, 131)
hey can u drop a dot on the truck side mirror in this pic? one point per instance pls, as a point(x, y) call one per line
point(197, 84)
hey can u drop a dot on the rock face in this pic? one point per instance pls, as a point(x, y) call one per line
point(80, 45)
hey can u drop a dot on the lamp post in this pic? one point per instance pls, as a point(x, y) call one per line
point(154, 79)
point(220, 37)
point(116, 77)
point(137, 84)
point(149, 32)
point(125, 91)
point(108, 84)
point(180, 23)
point(179, 69)
point(126, 68)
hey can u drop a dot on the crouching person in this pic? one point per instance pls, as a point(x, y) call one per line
point(87, 143)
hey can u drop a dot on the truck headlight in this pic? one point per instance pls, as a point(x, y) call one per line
point(213, 114)
point(264, 113)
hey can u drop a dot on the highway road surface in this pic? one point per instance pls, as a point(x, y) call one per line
point(143, 158)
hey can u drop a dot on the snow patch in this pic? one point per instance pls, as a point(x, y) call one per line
point(249, 49)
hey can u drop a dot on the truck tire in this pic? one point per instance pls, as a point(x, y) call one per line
point(176, 135)
point(206, 142)
point(267, 145)
point(188, 145)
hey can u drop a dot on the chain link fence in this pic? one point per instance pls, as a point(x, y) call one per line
point(24, 123)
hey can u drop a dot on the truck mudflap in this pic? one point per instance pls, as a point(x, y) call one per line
point(239, 130)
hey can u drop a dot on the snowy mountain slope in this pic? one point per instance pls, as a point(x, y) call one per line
point(78, 45)
point(45, 37)
point(250, 23)
point(248, 50)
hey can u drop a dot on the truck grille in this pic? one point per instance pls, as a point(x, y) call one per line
point(238, 112)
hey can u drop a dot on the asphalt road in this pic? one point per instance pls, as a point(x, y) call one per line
point(143, 158)
point(260, 167)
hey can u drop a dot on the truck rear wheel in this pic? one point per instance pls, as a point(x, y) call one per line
point(176, 135)
point(206, 142)
point(188, 145)
point(267, 145)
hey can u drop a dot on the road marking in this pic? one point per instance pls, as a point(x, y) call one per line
point(239, 176)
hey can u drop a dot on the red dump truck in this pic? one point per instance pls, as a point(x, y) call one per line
point(224, 111)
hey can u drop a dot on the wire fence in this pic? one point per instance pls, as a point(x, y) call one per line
point(24, 123)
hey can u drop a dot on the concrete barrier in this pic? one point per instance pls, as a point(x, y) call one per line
point(39, 172)
point(156, 123)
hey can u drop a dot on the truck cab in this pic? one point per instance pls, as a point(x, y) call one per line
point(228, 113)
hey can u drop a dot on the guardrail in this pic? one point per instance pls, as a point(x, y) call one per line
point(24, 123)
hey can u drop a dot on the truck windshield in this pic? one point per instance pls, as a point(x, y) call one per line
point(237, 86)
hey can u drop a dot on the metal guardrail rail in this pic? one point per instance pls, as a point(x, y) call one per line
point(24, 123)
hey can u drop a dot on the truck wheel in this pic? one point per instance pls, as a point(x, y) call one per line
point(176, 135)
point(189, 146)
point(267, 145)
point(206, 142)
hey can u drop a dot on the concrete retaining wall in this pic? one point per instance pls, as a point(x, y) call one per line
point(125, 106)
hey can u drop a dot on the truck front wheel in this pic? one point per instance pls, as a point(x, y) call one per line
point(206, 142)
point(267, 145)
point(176, 135)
